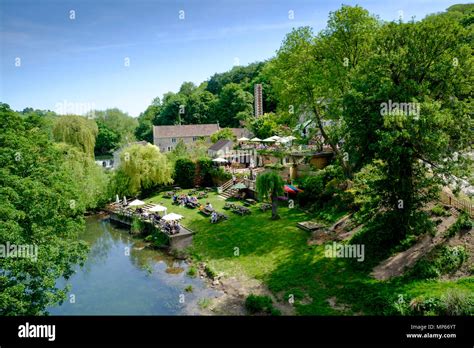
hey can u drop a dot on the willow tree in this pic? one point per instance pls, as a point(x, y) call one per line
point(77, 131)
point(145, 167)
point(270, 186)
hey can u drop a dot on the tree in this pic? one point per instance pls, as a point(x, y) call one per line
point(184, 172)
point(265, 126)
point(142, 167)
point(224, 133)
point(107, 140)
point(77, 131)
point(270, 186)
point(234, 105)
point(87, 174)
point(119, 122)
point(147, 119)
point(311, 74)
point(41, 211)
point(406, 113)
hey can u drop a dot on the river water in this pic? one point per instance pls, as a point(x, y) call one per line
point(121, 277)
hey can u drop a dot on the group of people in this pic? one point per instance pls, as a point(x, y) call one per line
point(172, 227)
point(185, 200)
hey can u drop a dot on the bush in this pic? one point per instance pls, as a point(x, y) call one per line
point(258, 304)
point(457, 302)
point(189, 288)
point(184, 172)
point(463, 223)
point(192, 272)
point(441, 260)
point(203, 175)
point(438, 210)
point(210, 272)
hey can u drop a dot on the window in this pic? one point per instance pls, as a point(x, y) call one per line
point(169, 148)
point(195, 138)
point(173, 140)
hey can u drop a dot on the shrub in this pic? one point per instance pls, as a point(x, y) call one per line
point(457, 302)
point(440, 261)
point(192, 272)
point(258, 304)
point(203, 175)
point(438, 210)
point(189, 288)
point(184, 172)
point(463, 223)
point(210, 272)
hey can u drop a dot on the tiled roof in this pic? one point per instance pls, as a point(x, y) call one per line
point(221, 143)
point(188, 130)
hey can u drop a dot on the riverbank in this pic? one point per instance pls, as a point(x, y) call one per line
point(253, 254)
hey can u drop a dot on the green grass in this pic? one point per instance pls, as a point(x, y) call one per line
point(276, 252)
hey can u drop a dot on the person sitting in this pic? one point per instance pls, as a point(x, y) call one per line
point(174, 198)
point(209, 207)
point(213, 217)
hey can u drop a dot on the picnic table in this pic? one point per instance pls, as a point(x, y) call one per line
point(265, 206)
point(241, 210)
point(250, 201)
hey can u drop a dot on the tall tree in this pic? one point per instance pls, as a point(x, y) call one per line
point(41, 208)
point(407, 111)
point(144, 167)
point(77, 131)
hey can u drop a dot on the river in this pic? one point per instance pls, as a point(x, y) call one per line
point(121, 277)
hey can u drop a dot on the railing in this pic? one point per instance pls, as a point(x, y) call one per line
point(225, 186)
point(461, 204)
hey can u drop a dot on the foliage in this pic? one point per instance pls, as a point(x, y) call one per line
point(463, 223)
point(204, 171)
point(260, 304)
point(118, 122)
point(77, 131)
point(439, 210)
point(91, 178)
point(141, 167)
point(36, 196)
point(107, 140)
point(325, 189)
point(184, 171)
point(442, 260)
point(192, 272)
point(210, 272)
point(269, 186)
point(266, 126)
point(224, 133)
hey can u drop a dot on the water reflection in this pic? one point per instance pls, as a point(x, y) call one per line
point(122, 276)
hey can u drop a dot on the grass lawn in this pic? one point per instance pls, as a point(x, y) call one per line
point(277, 253)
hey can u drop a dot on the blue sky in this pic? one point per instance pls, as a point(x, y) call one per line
point(80, 62)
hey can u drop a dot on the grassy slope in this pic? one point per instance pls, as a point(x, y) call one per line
point(276, 252)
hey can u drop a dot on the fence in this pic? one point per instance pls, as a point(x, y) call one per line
point(461, 204)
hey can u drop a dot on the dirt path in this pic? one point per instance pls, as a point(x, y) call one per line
point(395, 265)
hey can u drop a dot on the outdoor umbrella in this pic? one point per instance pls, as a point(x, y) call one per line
point(275, 137)
point(294, 188)
point(269, 140)
point(219, 160)
point(136, 202)
point(255, 139)
point(124, 200)
point(117, 199)
point(239, 186)
point(157, 208)
point(288, 189)
point(243, 139)
point(172, 217)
